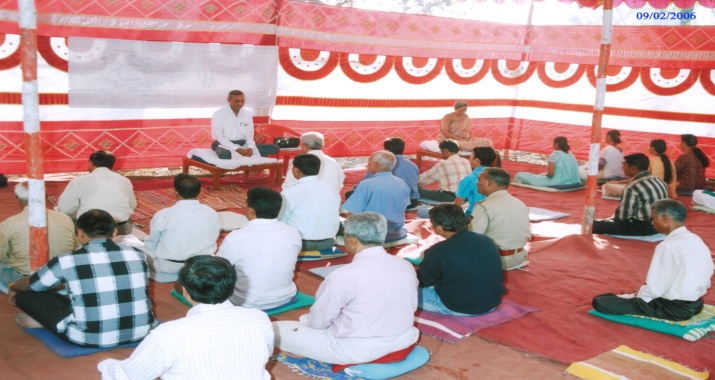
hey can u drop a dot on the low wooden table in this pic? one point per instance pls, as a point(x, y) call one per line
point(275, 167)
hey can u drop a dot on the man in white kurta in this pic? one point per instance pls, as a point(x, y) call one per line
point(101, 189)
point(215, 340)
point(330, 172)
point(263, 253)
point(311, 206)
point(679, 273)
point(362, 311)
point(232, 130)
point(186, 229)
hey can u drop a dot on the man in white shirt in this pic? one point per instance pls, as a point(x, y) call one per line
point(679, 273)
point(215, 340)
point(263, 252)
point(330, 171)
point(362, 311)
point(232, 131)
point(101, 189)
point(186, 229)
point(311, 205)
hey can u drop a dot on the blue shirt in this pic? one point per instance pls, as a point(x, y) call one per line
point(405, 170)
point(468, 189)
point(384, 194)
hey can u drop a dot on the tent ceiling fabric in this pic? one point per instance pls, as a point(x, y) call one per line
point(637, 4)
point(362, 76)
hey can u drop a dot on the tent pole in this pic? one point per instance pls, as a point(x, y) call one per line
point(31, 124)
point(593, 155)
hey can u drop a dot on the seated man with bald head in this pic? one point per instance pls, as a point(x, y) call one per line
point(384, 194)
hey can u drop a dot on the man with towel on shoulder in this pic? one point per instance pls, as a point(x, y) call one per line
point(364, 310)
point(311, 206)
point(101, 189)
point(461, 275)
point(502, 217)
point(644, 189)
point(679, 273)
point(383, 193)
point(263, 252)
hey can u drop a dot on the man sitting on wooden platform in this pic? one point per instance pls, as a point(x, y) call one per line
point(263, 252)
point(311, 206)
point(364, 310)
point(678, 277)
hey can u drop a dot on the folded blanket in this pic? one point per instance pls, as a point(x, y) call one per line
point(210, 157)
point(541, 214)
point(690, 330)
point(64, 348)
point(626, 363)
point(552, 189)
point(451, 328)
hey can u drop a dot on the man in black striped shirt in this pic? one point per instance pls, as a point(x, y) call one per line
point(632, 216)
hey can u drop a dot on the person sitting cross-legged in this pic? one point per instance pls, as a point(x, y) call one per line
point(108, 303)
point(448, 172)
point(188, 228)
point(330, 171)
point(643, 190)
point(311, 206)
point(679, 273)
point(461, 275)
point(215, 340)
point(263, 253)
point(15, 238)
point(384, 194)
point(503, 218)
point(364, 310)
point(482, 158)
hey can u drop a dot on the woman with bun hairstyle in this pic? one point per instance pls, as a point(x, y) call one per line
point(662, 167)
point(690, 166)
point(562, 168)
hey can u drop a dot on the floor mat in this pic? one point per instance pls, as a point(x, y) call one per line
point(66, 349)
point(625, 363)
point(451, 328)
point(690, 330)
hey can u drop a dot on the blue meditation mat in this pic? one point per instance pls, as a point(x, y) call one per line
point(3, 288)
point(66, 349)
point(300, 300)
point(313, 368)
point(323, 254)
point(691, 330)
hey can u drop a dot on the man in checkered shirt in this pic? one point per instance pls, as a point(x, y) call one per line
point(108, 303)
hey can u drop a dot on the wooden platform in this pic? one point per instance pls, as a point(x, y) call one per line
point(275, 168)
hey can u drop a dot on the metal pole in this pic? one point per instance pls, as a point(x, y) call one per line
point(31, 124)
point(604, 54)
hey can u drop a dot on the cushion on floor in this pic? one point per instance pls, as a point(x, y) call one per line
point(392, 357)
point(416, 359)
point(552, 189)
point(300, 300)
point(323, 254)
point(64, 348)
point(690, 330)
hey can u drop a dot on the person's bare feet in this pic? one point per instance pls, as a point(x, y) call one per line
point(26, 321)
